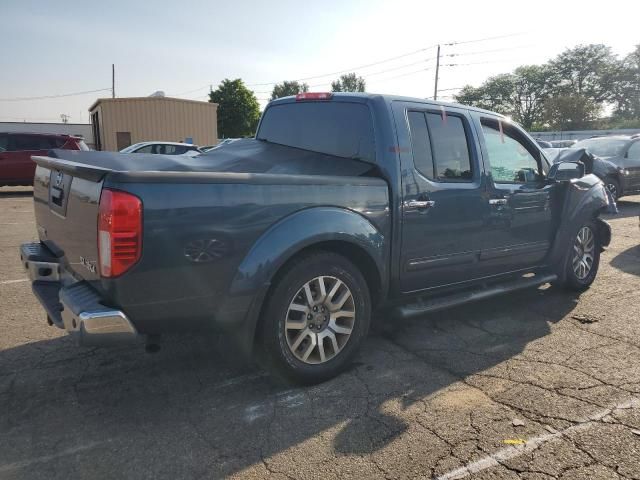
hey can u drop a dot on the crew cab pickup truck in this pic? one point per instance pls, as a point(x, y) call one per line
point(341, 204)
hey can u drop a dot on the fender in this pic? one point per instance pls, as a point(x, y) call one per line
point(280, 243)
point(582, 199)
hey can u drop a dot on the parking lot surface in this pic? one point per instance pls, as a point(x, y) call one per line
point(539, 384)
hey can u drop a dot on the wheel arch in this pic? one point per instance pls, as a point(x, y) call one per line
point(330, 229)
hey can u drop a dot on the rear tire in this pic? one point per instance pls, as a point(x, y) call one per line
point(316, 318)
point(582, 258)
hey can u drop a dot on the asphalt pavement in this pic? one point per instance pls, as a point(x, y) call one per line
point(538, 384)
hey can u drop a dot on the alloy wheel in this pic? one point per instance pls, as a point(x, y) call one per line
point(583, 253)
point(320, 320)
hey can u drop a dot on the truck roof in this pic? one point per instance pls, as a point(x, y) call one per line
point(363, 97)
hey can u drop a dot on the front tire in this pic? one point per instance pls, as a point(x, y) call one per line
point(316, 318)
point(582, 258)
point(613, 185)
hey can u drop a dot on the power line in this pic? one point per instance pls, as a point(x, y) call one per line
point(487, 51)
point(486, 39)
point(479, 63)
point(404, 55)
point(349, 69)
point(20, 99)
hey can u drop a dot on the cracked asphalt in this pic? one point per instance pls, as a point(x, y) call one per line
point(539, 384)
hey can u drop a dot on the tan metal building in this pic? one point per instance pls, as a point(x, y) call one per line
point(120, 122)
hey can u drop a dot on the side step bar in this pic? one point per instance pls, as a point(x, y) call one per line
point(427, 305)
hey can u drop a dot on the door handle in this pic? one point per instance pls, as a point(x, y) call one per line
point(419, 204)
point(497, 201)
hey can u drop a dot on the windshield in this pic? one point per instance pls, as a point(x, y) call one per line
point(342, 129)
point(603, 147)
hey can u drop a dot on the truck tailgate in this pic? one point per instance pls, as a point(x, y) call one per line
point(66, 202)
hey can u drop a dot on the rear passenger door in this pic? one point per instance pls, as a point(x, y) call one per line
point(521, 202)
point(442, 196)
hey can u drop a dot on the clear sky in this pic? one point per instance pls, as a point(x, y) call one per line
point(181, 47)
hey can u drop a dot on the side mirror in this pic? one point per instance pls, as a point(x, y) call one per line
point(565, 171)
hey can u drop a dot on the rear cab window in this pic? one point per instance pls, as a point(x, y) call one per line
point(342, 129)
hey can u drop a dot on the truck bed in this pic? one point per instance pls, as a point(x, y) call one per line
point(201, 215)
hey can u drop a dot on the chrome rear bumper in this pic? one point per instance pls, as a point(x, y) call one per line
point(74, 305)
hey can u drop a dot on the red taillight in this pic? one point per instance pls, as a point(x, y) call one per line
point(119, 232)
point(314, 96)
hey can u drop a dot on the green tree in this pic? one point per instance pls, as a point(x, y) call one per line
point(587, 71)
point(627, 101)
point(520, 94)
point(495, 94)
point(349, 82)
point(238, 109)
point(287, 88)
point(571, 112)
point(532, 87)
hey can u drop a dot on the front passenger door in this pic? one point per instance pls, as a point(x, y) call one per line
point(521, 214)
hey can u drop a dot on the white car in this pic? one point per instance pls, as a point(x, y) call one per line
point(162, 148)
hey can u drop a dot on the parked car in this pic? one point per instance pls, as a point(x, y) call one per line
point(608, 172)
point(343, 203)
point(162, 148)
point(16, 149)
point(624, 152)
point(562, 143)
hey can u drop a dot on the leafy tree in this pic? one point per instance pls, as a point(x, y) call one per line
point(520, 94)
point(494, 94)
point(349, 82)
point(588, 71)
point(238, 109)
point(571, 112)
point(287, 88)
point(532, 86)
point(628, 88)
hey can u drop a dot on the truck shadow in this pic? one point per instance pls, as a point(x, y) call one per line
point(628, 261)
point(190, 411)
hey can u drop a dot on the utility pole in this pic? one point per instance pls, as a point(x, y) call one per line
point(113, 80)
point(435, 90)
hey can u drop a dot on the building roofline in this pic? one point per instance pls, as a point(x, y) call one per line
point(151, 99)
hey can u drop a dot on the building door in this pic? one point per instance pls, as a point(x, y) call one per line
point(123, 140)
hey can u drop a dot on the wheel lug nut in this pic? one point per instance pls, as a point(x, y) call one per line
point(315, 309)
point(309, 317)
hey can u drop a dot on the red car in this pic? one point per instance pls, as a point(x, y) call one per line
point(16, 149)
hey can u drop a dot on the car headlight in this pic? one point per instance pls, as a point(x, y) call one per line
point(623, 171)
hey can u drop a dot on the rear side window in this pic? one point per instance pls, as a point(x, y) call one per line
point(440, 147)
point(421, 145)
point(342, 129)
point(32, 142)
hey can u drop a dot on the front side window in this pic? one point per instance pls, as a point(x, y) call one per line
point(4, 143)
point(440, 148)
point(145, 149)
point(510, 160)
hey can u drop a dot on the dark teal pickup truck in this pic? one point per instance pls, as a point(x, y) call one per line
point(341, 204)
